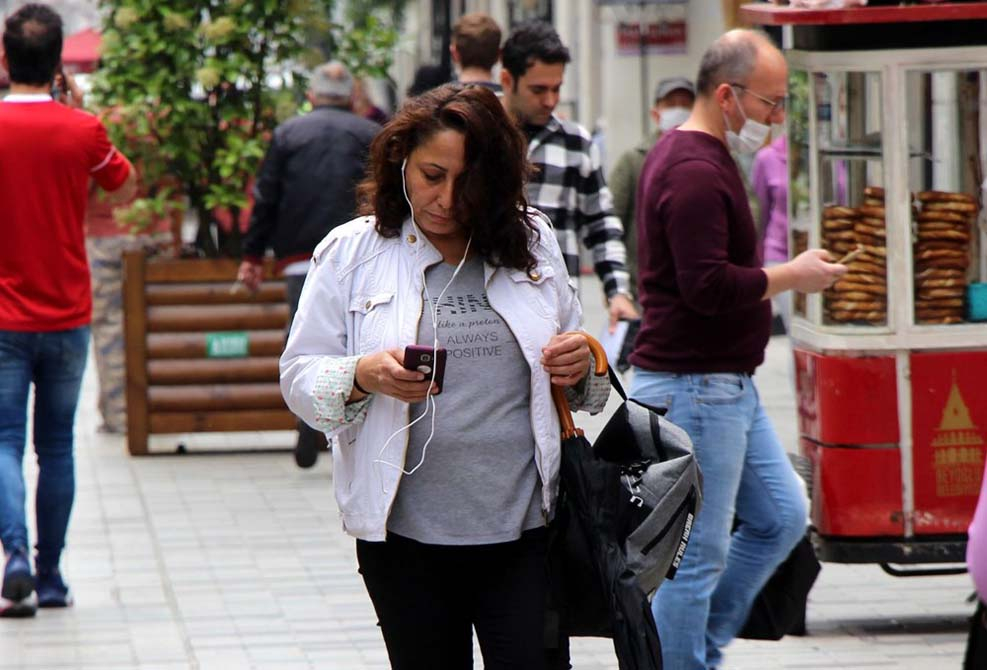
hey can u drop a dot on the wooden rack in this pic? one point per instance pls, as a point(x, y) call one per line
point(199, 357)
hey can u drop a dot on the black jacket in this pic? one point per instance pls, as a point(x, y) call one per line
point(307, 182)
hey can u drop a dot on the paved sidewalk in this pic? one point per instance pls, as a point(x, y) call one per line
point(237, 560)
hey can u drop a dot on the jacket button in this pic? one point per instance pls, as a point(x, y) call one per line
point(534, 274)
point(412, 239)
point(367, 305)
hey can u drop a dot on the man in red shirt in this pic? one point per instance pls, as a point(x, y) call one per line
point(48, 154)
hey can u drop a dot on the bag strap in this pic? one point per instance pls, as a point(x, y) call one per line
point(615, 383)
point(558, 393)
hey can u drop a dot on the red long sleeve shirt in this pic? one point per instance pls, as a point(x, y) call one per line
point(700, 277)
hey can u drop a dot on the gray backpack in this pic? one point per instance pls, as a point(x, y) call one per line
point(622, 521)
point(661, 476)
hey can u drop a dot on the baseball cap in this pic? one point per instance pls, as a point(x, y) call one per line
point(666, 86)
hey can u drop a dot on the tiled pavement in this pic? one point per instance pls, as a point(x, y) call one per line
point(236, 560)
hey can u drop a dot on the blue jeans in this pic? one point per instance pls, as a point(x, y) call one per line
point(54, 363)
point(746, 474)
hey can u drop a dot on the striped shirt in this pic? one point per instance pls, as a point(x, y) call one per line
point(568, 186)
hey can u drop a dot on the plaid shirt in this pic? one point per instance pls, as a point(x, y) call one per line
point(568, 186)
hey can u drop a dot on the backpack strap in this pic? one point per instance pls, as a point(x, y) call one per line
point(615, 383)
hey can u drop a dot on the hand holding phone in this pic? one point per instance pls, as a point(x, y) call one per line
point(424, 359)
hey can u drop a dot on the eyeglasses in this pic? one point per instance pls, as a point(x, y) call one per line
point(776, 105)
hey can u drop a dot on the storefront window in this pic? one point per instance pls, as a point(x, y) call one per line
point(944, 135)
point(522, 10)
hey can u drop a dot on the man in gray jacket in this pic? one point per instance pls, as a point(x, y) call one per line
point(307, 187)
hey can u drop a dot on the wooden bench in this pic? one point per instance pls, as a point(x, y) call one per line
point(199, 357)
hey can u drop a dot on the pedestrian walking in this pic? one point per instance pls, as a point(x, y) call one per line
point(567, 183)
point(674, 98)
point(48, 154)
point(427, 77)
point(307, 187)
point(109, 233)
point(706, 322)
point(475, 49)
point(769, 176)
point(448, 495)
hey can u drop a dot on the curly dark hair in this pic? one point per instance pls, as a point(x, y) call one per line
point(489, 196)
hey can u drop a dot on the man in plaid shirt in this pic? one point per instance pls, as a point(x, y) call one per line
point(568, 183)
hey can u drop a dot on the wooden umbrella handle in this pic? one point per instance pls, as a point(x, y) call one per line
point(558, 393)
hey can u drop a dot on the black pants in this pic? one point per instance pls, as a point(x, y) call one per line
point(429, 597)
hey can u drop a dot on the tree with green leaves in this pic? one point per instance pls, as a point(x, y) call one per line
point(198, 85)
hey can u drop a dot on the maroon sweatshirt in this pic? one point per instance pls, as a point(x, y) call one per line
point(700, 280)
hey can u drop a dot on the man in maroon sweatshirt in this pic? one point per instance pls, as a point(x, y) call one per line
point(706, 322)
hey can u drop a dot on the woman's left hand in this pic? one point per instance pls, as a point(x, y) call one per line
point(566, 358)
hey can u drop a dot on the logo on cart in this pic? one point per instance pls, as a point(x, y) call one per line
point(958, 449)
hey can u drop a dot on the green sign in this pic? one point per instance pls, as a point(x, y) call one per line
point(232, 344)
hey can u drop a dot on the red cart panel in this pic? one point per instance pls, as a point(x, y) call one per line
point(855, 492)
point(949, 426)
point(847, 400)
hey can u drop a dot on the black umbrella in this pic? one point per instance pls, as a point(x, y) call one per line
point(593, 591)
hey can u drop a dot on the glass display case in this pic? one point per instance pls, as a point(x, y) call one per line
point(945, 134)
point(887, 148)
point(885, 163)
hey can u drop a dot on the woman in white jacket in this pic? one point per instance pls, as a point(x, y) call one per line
point(447, 487)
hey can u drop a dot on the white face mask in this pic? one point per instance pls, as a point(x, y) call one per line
point(752, 134)
point(672, 117)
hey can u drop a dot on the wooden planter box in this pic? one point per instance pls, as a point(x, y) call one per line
point(199, 358)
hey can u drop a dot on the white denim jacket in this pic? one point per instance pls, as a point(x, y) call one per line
point(363, 294)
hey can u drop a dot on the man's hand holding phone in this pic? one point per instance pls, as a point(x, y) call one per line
point(385, 372)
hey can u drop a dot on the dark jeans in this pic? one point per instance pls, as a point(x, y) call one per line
point(429, 597)
point(54, 363)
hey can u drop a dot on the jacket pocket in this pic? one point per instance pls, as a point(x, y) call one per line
point(371, 314)
point(542, 289)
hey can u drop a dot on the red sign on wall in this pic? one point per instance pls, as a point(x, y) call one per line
point(652, 37)
point(949, 435)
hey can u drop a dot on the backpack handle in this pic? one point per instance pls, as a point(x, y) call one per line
point(558, 393)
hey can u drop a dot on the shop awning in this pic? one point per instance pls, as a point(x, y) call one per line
point(80, 51)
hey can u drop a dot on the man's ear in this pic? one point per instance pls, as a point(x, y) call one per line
point(723, 95)
point(454, 53)
point(506, 80)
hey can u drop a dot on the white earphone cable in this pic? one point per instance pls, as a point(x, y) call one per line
point(433, 315)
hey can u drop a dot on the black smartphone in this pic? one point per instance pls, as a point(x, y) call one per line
point(424, 359)
point(57, 92)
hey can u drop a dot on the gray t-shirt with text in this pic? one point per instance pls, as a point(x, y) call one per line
point(479, 483)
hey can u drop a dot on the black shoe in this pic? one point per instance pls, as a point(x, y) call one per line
point(310, 442)
point(52, 589)
point(17, 595)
